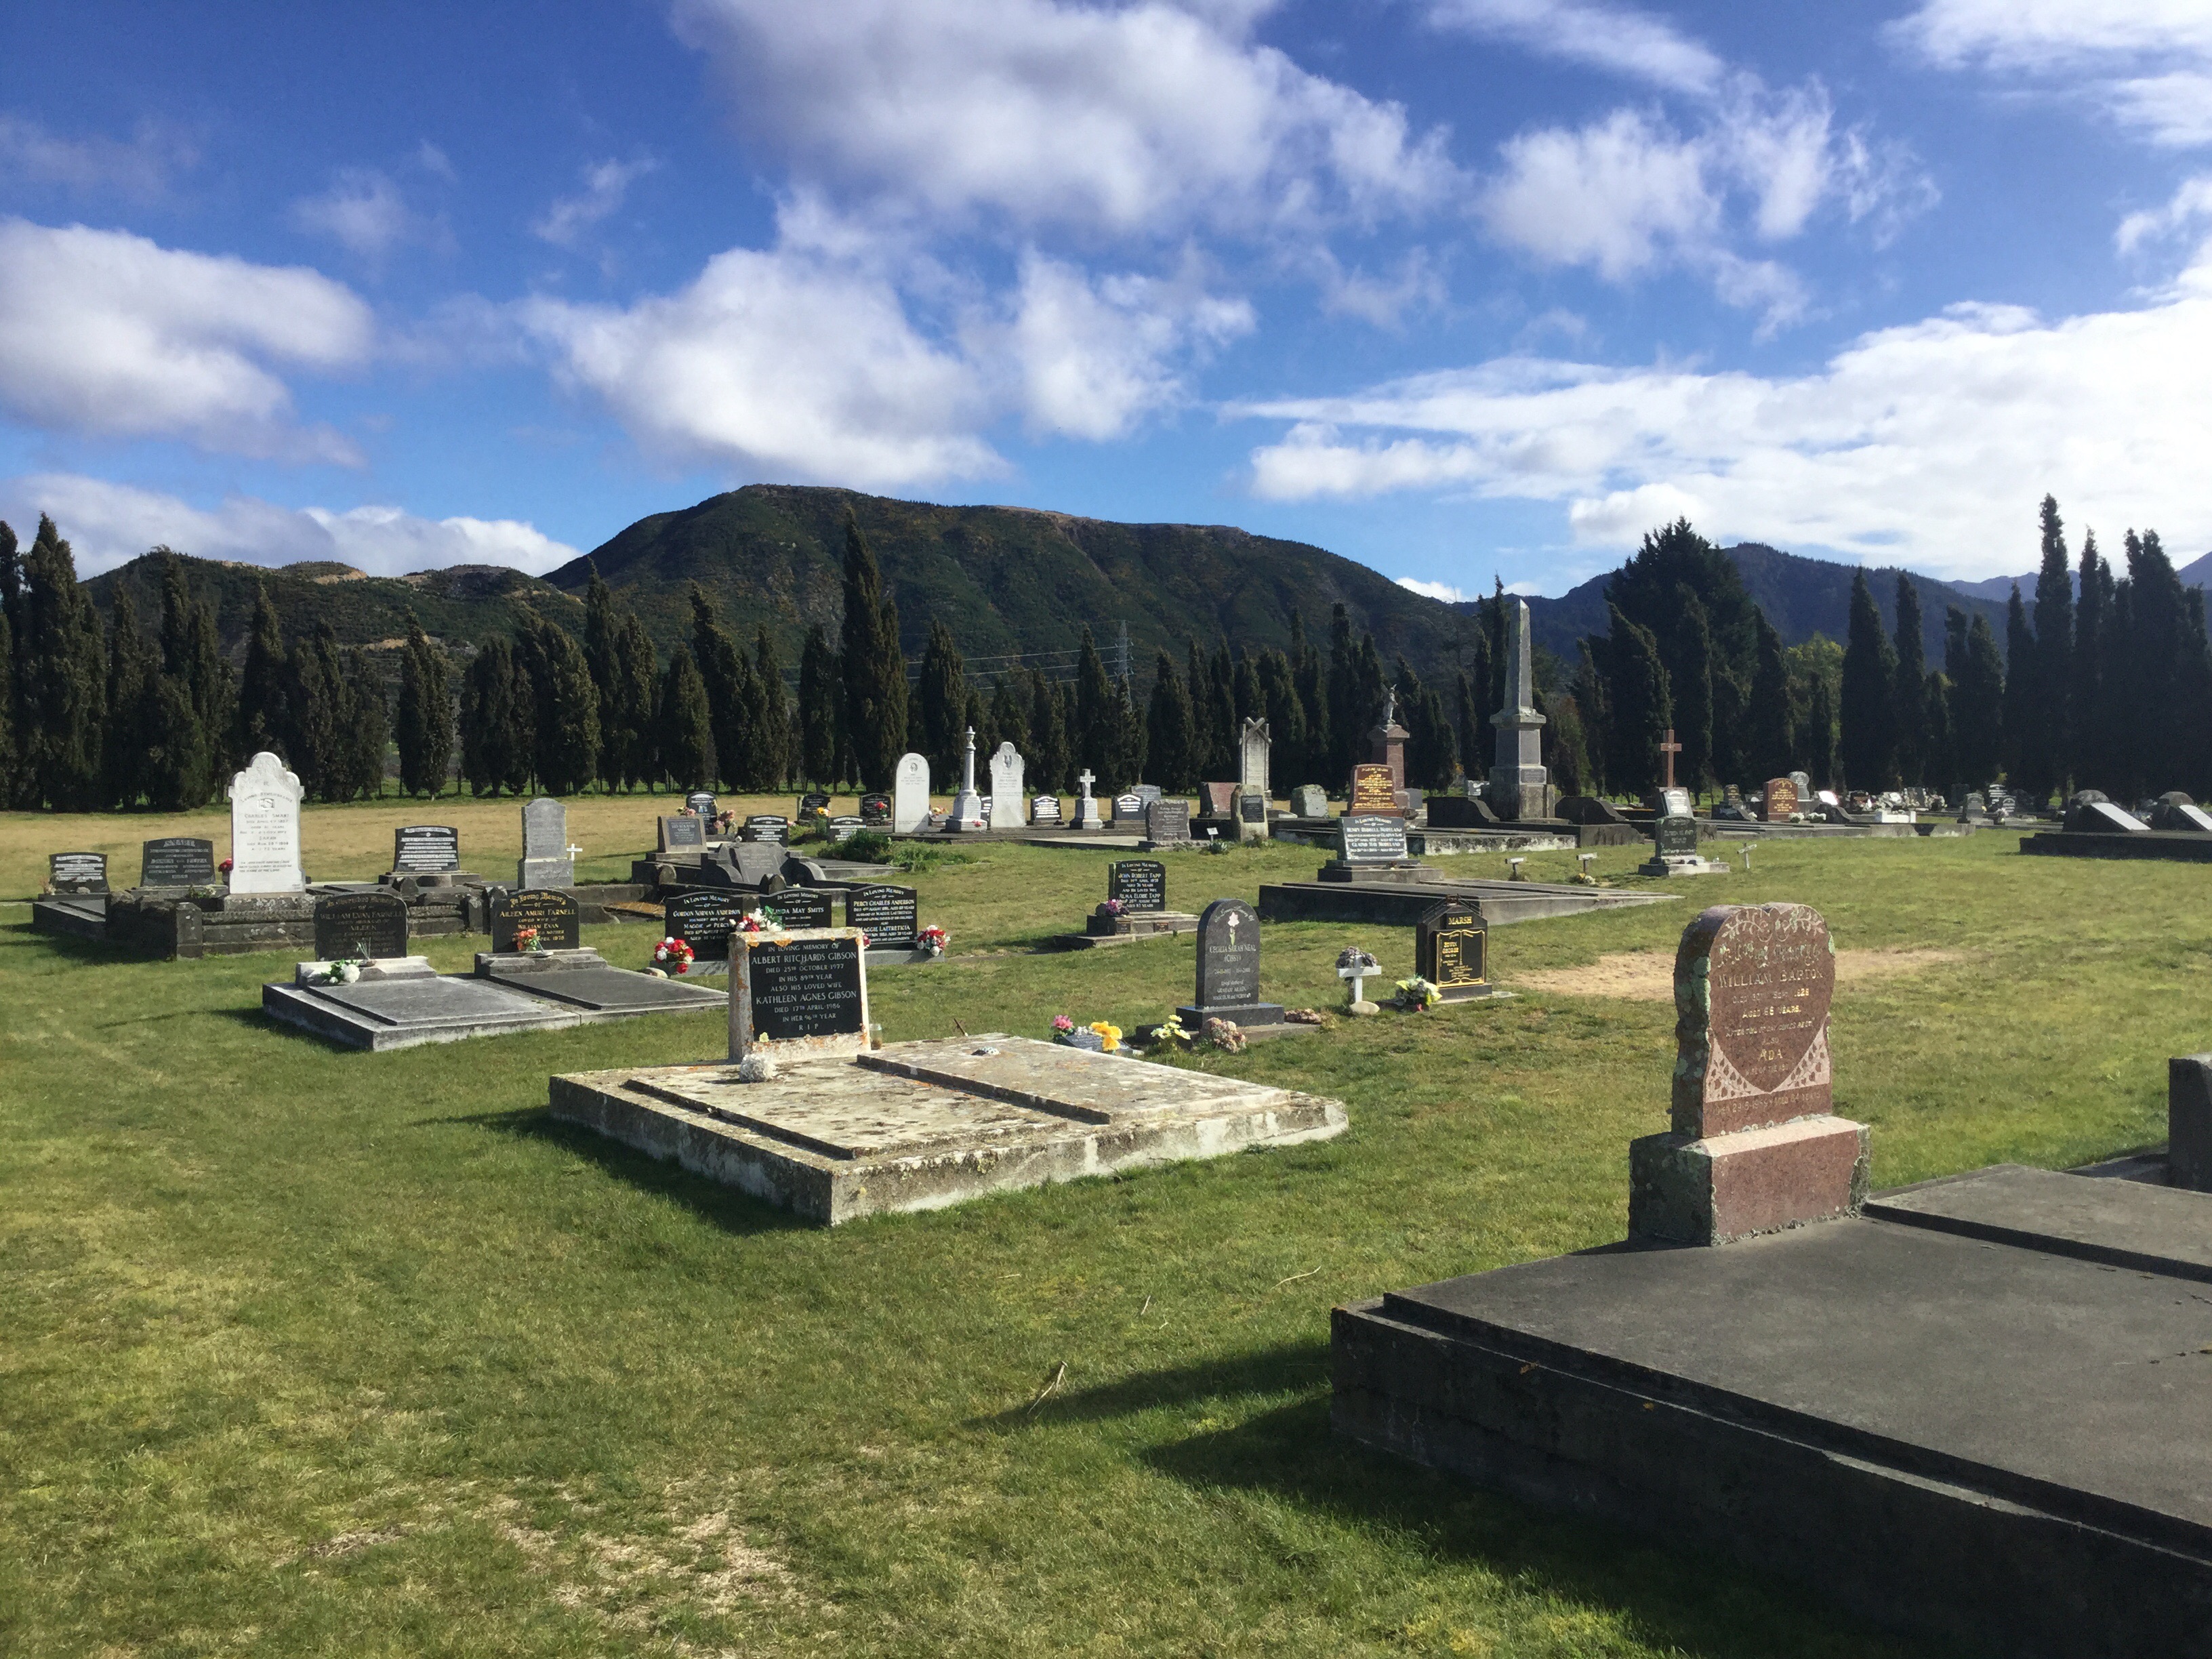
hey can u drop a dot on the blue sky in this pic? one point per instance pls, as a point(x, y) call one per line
point(1457, 288)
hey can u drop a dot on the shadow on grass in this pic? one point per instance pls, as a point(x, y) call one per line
point(726, 1207)
point(1291, 1365)
point(74, 947)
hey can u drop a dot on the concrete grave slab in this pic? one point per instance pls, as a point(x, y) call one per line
point(402, 1012)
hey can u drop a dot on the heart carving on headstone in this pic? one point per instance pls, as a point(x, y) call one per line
point(1753, 985)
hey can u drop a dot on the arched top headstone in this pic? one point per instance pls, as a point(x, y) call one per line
point(1753, 983)
point(910, 793)
point(264, 828)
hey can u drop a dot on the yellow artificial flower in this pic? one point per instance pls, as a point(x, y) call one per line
point(1111, 1035)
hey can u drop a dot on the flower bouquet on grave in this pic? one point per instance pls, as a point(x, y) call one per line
point(931, 938)
point(673, 955)
point(1069, 1034)
point(1418, 995)
point(1109, 1036)
point(752, 922)
point(528, 938)
point(1224, 1035)
point(1113, 909)
point(1170, 1034)
point(346, 970)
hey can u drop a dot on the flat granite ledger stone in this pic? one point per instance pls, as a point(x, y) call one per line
point(1754, 1146)
point(404, 1012)
point(799, 994)
point(1228, 970)
point(595, 987)
point(365, 925)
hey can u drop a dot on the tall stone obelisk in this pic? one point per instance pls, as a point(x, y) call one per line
point(1520, 787)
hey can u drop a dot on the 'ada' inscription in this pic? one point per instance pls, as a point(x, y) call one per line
point(1752, 984)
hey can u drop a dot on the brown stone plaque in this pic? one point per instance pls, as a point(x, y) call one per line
point(1373, 790)
point(1781, 800)
point(1752, 989)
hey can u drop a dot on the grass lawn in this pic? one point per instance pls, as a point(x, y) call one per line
point(305, 1352)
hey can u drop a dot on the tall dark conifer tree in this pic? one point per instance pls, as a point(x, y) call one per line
point(2044, 747)
point(1770, 739)
point(132, 669)
point(1174, 766)
point(2021, 686)
point(1976, 699)
point(2092, 639)
point(817, 708)
point(1345, 721)
point(941, 697)
point(61, 658)
point(874, 667)
point(1642, 703)
point(772, 735)
point(686, 725)
point(1869, 698)
point(1050, 766)
point(264, 720)
point(637, 702)
point(1690, 674)
point(424, 725)
point(1909, 690)
point(1094, 733)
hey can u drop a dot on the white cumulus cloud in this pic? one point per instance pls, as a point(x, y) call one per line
point(605, 183)
point(1931, 442)
point(104, 332)
point(1443, 591)
point(1617, 38)
point(142, 169)
point(109, 524)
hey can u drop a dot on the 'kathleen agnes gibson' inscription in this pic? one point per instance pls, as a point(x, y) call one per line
point(1752, 984)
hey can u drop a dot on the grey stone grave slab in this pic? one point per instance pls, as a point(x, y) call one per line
point(803, 995)
point(1310, 800)
point(426, 849)
point(1228, 970)
point(2177, 812)
point(177, 861)
point(361, 925)
point(681, 834)
point(76, 873)
point(597, 990)
point(554, 914)
point(875, 811)
point(1141, 884)
point(405, 1011)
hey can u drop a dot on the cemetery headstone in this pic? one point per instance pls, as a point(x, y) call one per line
point(967, 804)
point(814, 801)
point(1977, 809)
point(1520, 786)
point(701, 803)
point(1088, 804)
point(553, 913)
point(1372, 791)
point(1754, 1145)
point(2091, 812)
point(1007, 783)
point(683, 834)
point(1254, 741)
point(1167, 823)
point(1590, 808)
point(76, 872)
point(546, 860)
point(1672, 801)
point(1129, 808)
point(875, 811)
point(1220, 798)
point(797, 907)
point(1310, 800)
point(177, 861)
point(753, 863)
point(890, 915)
point(2176, 811)
point(845, 826)
point(426, 849)
point(1251, 815)
point(1677, 836)
point(1228, 970)
point(1045, 809)
point(1147, 793)
point(1803, 782)
point(767, 827)
point(1781, 800)
point(704, 919)
point(802, 995)
point(264, 829)
point(1451, 950)
point(910, 794)
point(1141, 884)
point(1371, 838)
point(353, 925)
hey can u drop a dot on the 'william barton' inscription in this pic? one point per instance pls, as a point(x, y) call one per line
point(1752, 984)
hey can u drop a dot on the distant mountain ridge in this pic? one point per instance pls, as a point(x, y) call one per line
point(2197, 573)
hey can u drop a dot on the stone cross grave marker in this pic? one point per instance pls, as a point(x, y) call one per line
point(1141, 884)
point(426, 849)
point(683, 834)
point(890, 915)
point(349, 926)
point(1310, 800)
point(176, 861)
point(546, 861)
point(1045, 809)
point(1451, 950)
point(1781, 800)
point(264, 829)
point(76, 872)
point(910, 794)
point(1755, 1146)
point(1088, 802)
point(553, 913)
point(875, 811)
point(1167, 823)
point(801, 995)
point(1668, 750)
point(704, 919)
point(1228, 970)
point(1007, 782)
point(1371, 838)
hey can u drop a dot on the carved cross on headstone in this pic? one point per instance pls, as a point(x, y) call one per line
point(1667, 751)
point(1086, 778)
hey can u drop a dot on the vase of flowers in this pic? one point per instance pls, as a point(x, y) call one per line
point(931, 938)
point(1418, 995)
point(673, 955)
point(529, 939)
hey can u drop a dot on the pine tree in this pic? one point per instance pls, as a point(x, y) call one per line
point(424, 727)
point(9, 757)
point(498, 724)
point(1774, 718)
point(1819, 741)
point(1125, 761)
point(13, 778)
point(1690, 677)
point(1938, 749)
point(2194, 677)
point(2043, 742)
point(264, 720)
point(1870, 700)
point(1010, 718)
point(320, 709)
point(1168, 715)
point(368, 735)
point(1978, 708)
point(874, 667)
point(1909, 689)
point(942, 699)
point(1569, 748)
point(1594, 704)
point(566, 706)
point(1287, 728)
point(637, 701)
point(62, 660)
point(1049, 764)
point(1093, 731)
point(721, 670)
point(181, 722)
point(2020, 716)
point(602, 653)
point(2087, 755)
point(132, 669)
point(818, 682)
point(772, 726)
point(1311, 675)
point(1204, 741)
point(2119, 688)
point(1245, 692)
point(1642, 703)
point(686, 724)
point(1345, 720)
point(1469, 722)
point(1220, 712)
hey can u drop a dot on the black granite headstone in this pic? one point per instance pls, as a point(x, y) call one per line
point(1370, 838)
point(550, 911)
point(77, 873)
point(766, 827)
point(701, 802)
point(1129, 807)
point(1677, 836)
point(814, 801)
point(425, 849)
point(1252, 808)
point(1045, 809)
point(800, 907)
point(1141, 884)
point(875, 811)
point(683, 834)
point(1451, 950)
point(890, 916)
point(1228, 970)
point(350, 926)
point(805, 988)
point(704, 919)
point(177, 861)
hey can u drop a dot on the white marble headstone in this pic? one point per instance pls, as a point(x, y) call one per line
point(264, 829)
point(546, 861)
point(910, 794)
point(1007, 768)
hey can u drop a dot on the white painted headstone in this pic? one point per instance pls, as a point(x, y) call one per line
point(264, 829)
point(1007, 768)
point(910, 794)
point(547, 858)
point(1089, 819)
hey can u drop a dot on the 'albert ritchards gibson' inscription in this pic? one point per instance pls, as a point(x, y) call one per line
point(1752, 989)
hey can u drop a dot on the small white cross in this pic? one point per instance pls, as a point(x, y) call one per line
point(1085, 779)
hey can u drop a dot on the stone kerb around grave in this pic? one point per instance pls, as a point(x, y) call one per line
point(1755, 1146)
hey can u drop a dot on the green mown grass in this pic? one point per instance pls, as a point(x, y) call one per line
point(304, 1352)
